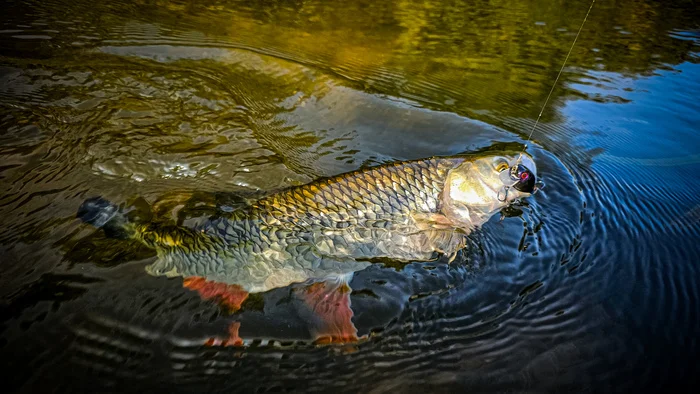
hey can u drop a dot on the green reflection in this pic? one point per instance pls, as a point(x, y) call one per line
point(458, 56)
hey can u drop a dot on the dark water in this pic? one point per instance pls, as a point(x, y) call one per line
point(592, 288)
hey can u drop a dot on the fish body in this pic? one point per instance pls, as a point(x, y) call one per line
point(404, 211)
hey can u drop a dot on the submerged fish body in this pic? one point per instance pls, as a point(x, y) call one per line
point(329, 227)
point(332, 227)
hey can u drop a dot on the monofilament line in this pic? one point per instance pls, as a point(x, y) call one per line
point(537, 121)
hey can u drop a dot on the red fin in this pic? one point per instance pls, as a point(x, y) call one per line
point(229, 296)
point(332, 316)
point(232, 340)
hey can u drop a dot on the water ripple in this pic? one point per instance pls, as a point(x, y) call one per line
point(588, 286)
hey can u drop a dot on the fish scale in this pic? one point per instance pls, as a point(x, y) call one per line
point(316, 226)
point(401, 211)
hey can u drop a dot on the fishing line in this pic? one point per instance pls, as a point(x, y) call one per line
point(556, 80)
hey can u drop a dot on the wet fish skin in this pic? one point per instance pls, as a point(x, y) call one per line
point(327, 227)
point(331, 227)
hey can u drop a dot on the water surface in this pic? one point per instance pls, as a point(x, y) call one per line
point(592, 286)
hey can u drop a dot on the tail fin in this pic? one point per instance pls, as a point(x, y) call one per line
point(106, 215)
point(134, 220)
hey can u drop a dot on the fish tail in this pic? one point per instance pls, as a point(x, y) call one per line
point(104, 214)
point(134, 222)
point(175, 245)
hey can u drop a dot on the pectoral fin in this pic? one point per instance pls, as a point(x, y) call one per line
point(432, 221)
point(442, 234)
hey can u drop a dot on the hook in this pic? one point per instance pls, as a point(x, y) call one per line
point(505, 194)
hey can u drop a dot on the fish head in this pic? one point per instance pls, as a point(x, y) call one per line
point(478, 188)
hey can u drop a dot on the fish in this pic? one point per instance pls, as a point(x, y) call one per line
point(322, 232)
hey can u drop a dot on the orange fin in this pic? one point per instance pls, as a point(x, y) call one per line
point(331, 315)
point(232, 340)
point(228, 296)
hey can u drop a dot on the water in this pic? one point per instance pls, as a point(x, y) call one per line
point(592, 287)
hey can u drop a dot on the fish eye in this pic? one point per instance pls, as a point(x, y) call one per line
point(501, 165)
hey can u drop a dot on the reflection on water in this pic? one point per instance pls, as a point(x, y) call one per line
point(194, 105)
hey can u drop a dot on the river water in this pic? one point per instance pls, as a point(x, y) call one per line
point(592, 286)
